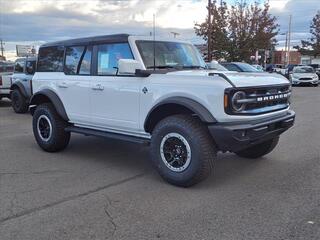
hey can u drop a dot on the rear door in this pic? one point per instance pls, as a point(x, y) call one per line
point(73, 87)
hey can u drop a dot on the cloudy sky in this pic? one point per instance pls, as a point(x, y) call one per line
point(37, 21)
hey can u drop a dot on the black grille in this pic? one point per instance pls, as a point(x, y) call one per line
point(305, 79)
point(263, 99)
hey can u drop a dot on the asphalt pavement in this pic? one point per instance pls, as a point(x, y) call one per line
point(107, 189)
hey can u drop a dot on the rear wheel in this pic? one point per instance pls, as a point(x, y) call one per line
point(260, 149)
point(48, 128)
point(19, 102)
point(182, 150)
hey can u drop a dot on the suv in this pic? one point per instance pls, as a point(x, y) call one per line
point(6, 70)
point(21, 83)
point(158, 93)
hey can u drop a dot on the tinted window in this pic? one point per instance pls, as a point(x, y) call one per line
point(86, 62)
point(78, 60)
point(73, 57)
point(50, 59)
point(18, 67)
point(108, 56)
point(30, 67)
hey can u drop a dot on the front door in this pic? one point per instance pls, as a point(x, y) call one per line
point(115, 99)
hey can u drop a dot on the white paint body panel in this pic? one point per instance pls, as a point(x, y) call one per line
point(121, 105)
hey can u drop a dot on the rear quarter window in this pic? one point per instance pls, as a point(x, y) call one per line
point(50, 59)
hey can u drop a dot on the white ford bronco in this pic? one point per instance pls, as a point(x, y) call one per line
point(159, 93)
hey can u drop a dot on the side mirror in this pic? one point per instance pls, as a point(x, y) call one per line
point(128, 66)
point(30, 70)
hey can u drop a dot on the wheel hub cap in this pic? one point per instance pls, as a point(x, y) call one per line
point(44, 128)
point(175, 152)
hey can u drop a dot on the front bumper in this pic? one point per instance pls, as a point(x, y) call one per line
point(298, 82)
point(234, 137)
point(5, 91)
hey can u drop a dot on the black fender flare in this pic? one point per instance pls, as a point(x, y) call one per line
point(45, 95)
point(21, 88)
point(194, 106)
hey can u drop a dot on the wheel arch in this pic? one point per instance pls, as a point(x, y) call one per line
point(176, 105)
point(20, 87)
point(47, 95)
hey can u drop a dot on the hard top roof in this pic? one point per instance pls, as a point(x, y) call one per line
point(89, 40)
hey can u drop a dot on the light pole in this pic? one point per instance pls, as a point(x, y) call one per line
point(209, 31)
point(289, 38)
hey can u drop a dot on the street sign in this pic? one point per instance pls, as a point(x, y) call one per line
point(25, 50)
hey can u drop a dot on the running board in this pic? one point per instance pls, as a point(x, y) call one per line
point(98, 133)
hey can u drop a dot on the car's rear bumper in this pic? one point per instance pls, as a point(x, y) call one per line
point(234, 137)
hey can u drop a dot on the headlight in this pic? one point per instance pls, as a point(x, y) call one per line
point(315, 77)
point(236, 103)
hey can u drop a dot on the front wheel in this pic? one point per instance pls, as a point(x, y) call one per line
point(182, 150)
point(48, 128)
point(260, 149)
point(19, 102)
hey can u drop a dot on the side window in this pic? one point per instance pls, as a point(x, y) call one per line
point(50, 59)
point(78, 60)
point(18, 67)
point(30, 67)
point(85, 65)
point(73, 57)
point(108, 56)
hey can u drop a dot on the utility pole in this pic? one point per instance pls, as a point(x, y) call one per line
point(1, 47)
point(209, 31)
point(286, 50)
point(289, 39)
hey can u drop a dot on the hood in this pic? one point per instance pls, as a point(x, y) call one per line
point(304, 75)
point(240, 79)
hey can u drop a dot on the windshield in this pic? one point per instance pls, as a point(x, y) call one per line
point(169, 55)
point(303, 70)
point(245, 67)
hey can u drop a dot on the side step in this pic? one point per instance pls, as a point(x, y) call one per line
point(98, 133)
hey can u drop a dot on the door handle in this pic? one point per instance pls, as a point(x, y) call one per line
point(98, 87)
point(63, 85)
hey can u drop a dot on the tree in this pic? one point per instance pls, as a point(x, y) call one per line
point(219, 29)
point(251, 28)
point(237, 33)
point(312, 46)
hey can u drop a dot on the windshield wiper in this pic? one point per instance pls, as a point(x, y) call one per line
point(161, 66)
point(193, 67)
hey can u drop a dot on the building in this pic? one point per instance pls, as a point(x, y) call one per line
point(306, 59)
point(279, 57)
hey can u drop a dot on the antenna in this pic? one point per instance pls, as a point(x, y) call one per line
point(154, 42)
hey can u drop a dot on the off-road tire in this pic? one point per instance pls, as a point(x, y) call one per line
point(59, 138)
point(18, 101)
point(203, 149)
point(259, 150)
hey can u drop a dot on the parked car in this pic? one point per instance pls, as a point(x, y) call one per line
point(288, 70)
point(21, 89)
point(304, 75)
point(115, 86)
point(239, 67)
point(258, 67)
point(6, 70)
point(316, 67)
